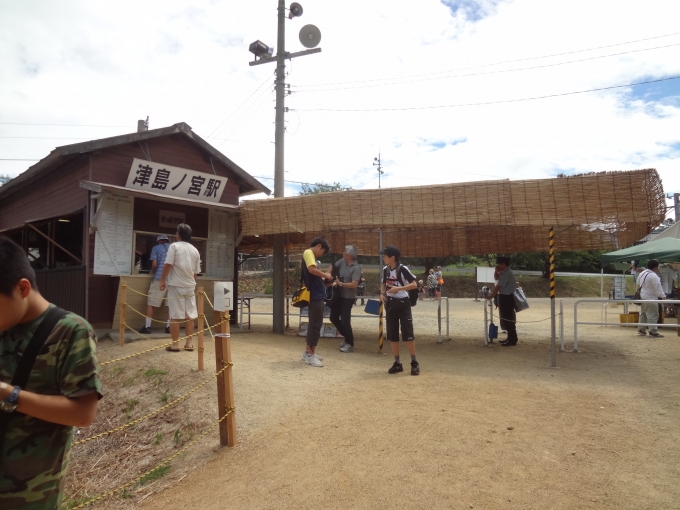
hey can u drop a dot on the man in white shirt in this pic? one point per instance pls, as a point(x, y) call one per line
point(182, 265)
point(650, 288)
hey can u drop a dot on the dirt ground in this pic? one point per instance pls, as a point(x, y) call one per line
point(481, 427)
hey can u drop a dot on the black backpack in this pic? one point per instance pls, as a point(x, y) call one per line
point(412, 294)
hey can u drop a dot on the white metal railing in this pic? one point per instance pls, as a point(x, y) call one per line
point(368, 316)
point(629, 324)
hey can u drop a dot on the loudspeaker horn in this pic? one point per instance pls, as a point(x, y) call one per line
point(295, 10)
point(310, 36)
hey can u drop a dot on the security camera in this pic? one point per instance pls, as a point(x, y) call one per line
point(260, 49)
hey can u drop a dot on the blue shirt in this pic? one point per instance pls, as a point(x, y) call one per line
point(159, 254)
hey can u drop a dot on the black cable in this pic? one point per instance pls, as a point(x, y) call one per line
point(498, 63)
point(484, 103)
point(489, 72)
point(60, 125)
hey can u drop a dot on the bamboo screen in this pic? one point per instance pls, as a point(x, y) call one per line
point(593, 211)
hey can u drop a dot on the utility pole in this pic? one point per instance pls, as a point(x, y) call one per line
point(376, 163)
point(309, 37)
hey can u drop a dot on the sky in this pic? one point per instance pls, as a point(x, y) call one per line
point(443, 90)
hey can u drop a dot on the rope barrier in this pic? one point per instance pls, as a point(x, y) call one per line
point(167, 406)
point(153, 348)
point(154, 320)
point(165, 298)
point(229, 410)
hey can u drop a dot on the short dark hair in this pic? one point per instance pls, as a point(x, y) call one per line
point(15, 266)
point(652, 264)
point(184, 232)
point(503, 260)
point(320, 240)
point(392, 251)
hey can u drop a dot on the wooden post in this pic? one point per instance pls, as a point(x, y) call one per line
point(201, 322)
point(225, 383)
point(121, 331)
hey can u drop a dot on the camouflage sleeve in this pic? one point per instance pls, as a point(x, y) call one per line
point(78, 370)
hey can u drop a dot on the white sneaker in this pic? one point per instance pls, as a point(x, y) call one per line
point(314, 360)
point(342, 344)
point(347, 348)
point(305, 355)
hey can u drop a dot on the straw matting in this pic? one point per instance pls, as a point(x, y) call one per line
point(593, 211)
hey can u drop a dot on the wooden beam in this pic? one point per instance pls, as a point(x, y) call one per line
point(56, 244)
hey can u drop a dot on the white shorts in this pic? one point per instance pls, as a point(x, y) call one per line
point(182, 302)
point(156, 295)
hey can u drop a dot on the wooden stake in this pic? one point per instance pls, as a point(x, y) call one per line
point(201, 322)
point(121, 331)
point(225, 384)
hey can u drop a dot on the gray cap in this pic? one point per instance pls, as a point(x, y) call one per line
point(162, 238)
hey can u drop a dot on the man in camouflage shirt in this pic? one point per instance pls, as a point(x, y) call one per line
point(62, 390)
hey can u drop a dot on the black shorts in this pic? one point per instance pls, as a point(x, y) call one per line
point(399, 314)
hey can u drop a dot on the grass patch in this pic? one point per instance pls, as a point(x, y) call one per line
point(177, 437)
point(269, 288)
point(130, 381)
point(156, 374)
point(117, 370)
point(157, 473)
point(79, 501)
point(159, 438)
point(164, 397)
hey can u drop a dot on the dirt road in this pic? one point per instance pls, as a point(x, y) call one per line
point(481, 427)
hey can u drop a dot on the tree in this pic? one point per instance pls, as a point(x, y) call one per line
point(320, 187)
point(4, 179)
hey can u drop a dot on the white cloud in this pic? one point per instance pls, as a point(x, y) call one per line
point(90, 63)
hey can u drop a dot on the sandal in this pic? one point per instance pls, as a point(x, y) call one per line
point(170, 349)
point(190, 348)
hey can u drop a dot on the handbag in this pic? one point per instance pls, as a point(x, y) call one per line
point(440, 281)
point(637, 295)
point(302, 296)
point(520, 300)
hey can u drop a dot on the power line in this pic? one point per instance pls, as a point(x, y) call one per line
point(46, 137)
point(239, 106)
point(490, 72)
point(58, 125)
point(487, 102)
point(498, 63)
point(10, 159)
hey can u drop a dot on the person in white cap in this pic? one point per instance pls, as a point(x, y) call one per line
point(156, 295)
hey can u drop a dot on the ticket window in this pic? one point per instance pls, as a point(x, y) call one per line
point(144, 243)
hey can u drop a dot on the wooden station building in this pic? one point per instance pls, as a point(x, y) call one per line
point(89, 213)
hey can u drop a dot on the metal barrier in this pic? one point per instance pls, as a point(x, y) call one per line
point(625, 324)
point(250, 312)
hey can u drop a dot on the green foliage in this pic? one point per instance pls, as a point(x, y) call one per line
point(4, 179)
point(157, 473)
point(159, 438)
point(117, 369)
point(164, 397)
point(269, 288)
point(320, 187)
point(177, 437)
point(75, 503)
point(156, 374)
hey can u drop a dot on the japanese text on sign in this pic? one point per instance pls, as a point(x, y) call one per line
point(175, 181)
point(170, 219)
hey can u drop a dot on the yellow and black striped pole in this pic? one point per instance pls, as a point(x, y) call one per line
point(380, 329)
point(552, 297)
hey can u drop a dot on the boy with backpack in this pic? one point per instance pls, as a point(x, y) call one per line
point(395, 283)
point(49, 383)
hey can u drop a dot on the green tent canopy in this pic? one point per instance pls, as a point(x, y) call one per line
point(663, 250)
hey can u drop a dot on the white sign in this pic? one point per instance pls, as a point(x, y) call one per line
point(221, 235)
point(170, 219)
point(223, 296)
point(485, 274)
point(113, 240)
point(175, 181)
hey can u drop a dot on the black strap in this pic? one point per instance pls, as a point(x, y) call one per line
point(35, 346)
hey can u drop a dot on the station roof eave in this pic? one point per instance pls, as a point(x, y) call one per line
point(64, 154)
point(99, 187)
